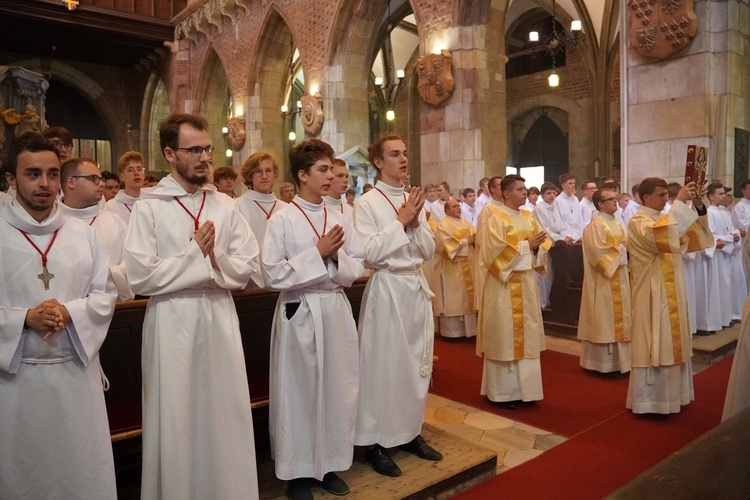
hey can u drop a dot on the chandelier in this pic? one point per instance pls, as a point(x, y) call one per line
point(387, 88)
point(553, 43)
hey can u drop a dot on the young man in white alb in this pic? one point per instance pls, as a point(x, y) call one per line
point(311, 252)
point(132, 174)
point(187, 249)
point(395, 322)
point(258, 204)
point(339, 186)
point(56, 304)
point(82, 187)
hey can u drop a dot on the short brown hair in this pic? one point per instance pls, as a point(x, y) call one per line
point(339, 162)
point(33, 142)
point(169, 129)
point(509, 181)
point(306, 153)
point(254, 161)
point(566, 177)
point(58, 133)
point(128, 157)
point(548, 186)
point(376, 149)
point(598, 196)
point(445, 185)
point(70, 167)
point(713, 187)
point(224, 173)
point(649, 185)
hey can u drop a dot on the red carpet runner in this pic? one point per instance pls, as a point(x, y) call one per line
point(609, 445)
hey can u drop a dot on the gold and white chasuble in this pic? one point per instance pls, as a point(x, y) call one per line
point(661, 379)
point(454, 263)
point(605, 301)
point(510, 316)
point(660, 330)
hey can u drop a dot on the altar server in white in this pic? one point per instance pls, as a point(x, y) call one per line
point(258, 204)
point(310, 253)
point(132, 174)
point(741, 219)
point(721, 228)
point(395, 323)
point(187, 248)
point(339, 185)
point(567, 206)
point(56, 303)
point(738, 285)
point(83, 187)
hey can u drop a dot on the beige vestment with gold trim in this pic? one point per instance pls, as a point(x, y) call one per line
point(659, 318)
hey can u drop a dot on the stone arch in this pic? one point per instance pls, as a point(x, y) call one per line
point(528, 110)
point(75, 79)
point(154, 110)
point(267, 86)
point(212, 102)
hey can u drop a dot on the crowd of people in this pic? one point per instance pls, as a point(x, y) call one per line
point(473, 265)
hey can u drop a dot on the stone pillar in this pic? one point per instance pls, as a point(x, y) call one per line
point(22, 97)
point(465, 139)
point(695, 97)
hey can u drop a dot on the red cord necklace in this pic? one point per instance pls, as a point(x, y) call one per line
point(325, 219)
point(194, 217)
point(46, 275)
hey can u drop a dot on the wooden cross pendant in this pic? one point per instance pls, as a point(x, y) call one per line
point(45, 277)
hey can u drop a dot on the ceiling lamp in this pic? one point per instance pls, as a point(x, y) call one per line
point(553, 43)
point(387, 87)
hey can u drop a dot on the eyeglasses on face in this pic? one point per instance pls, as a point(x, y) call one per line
point(130, 170)
point(611, 198)
point(268, 172)
point(60, 144)
point(196, 151)
point(96, 179)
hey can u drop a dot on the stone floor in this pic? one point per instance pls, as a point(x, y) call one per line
point(514, 442)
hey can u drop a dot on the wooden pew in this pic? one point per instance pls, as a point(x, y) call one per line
point(567, 284)
point(121, 353)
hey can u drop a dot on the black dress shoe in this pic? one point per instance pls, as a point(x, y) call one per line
point(506, 405)
point(420, 448)
point(299, 489)
point(334, 484)
point(381, 462)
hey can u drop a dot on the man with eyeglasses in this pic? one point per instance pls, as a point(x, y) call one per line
point(188, 248)
point(604, 319)
point(258, 204)
point(132, 175)
point(82, 187)
point(62, 140)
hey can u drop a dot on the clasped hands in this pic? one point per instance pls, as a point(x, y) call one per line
point(50, 316)
point(535, 240)
point(205, 237)
point(408, 214)
point(329, 244)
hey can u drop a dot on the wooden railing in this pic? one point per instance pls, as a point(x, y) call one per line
point(121, 353)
